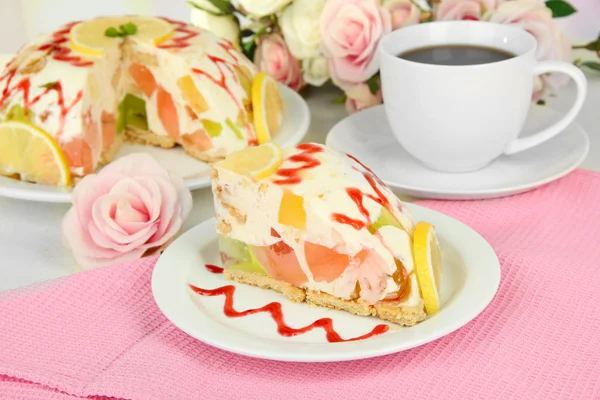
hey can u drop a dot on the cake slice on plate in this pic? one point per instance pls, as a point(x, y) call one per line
point(320, 227)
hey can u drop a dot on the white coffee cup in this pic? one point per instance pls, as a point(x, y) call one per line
point(460, 118)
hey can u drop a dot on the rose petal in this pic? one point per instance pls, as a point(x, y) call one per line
point(77, 238)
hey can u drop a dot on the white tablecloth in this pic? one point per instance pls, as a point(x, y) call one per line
point(30, 240)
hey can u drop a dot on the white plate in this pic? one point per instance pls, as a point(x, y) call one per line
point(368, 136)
point(471, 277)
point(195, 173)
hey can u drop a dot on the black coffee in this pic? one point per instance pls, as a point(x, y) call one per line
point(455, 55)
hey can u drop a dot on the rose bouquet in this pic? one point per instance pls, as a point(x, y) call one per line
point(309, 42)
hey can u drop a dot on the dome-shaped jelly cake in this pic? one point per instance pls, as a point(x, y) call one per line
point(90, 85)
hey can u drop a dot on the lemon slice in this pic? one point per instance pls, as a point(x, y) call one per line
point(428, 265)
point(267, 104)
point(257, 162)
point(32, 154)
point(89, 37)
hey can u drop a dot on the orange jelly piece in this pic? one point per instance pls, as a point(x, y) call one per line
point(144, 78)
point(280, 262)
point(291, 210)
point(167, 112)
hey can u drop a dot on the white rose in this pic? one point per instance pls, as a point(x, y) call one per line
point(224, 26)
point(205, 5)
point(316, 70)
point(301, 29)
point(261, 8)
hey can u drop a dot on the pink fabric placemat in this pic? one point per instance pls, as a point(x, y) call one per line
point(100, 333)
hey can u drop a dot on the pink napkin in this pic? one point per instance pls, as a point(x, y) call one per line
point(100, 333)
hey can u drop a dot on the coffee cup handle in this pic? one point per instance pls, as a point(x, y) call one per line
point(575, 73)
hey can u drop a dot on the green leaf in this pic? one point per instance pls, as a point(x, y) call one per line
point(560, 8)
point(222, 5)
point(541, 102)
point(199, 7)
point(129, 28)
point(249, 48)
point(111, 32)
point(373, 84)
point(339, 100)
point(50, 85)
point(591, 65)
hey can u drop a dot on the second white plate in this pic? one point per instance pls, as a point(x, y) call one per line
point(471, 277)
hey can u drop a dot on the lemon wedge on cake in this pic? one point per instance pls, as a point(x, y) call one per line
point(257, 162)
point(94, 36)
point(267, 104)
point(428, 265)
point(32, 154)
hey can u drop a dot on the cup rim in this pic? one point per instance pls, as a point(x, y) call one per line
point(395, 35)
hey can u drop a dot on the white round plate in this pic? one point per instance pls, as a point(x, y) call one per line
point(471, 277)
point(195, 173)
point(368, 136)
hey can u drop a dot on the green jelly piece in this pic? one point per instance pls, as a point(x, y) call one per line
point(19, 113)
point(132, 112)
point(386, 218)
point(212, 128)
point(237, 255)
point(235, 129)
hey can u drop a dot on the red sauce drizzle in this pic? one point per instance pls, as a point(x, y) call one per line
point(344, 219)
point(221, 83)
point(214, 269)
point(275, 310)
point(292, 175)
point(358, 195)
point(25, 85)
point(181, 37)
point(59, 49)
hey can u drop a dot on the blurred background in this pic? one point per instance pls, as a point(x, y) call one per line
point(21, 20)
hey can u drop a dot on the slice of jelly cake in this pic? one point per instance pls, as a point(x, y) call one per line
point(320, 227)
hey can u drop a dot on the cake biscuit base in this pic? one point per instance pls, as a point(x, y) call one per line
point(140, 136)
point(405, 316)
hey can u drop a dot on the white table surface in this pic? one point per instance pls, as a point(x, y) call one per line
point(30, 240)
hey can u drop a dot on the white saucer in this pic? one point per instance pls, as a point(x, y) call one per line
point(367, 136)
point(471, 277)
point(196, 173)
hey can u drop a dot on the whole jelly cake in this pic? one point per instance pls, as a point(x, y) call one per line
point(322, 228)
point(75, 94)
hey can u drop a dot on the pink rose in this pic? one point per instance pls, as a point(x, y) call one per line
point(350, 32)
point(457, 10)
point(131, 208)
point(274, 57)
point(359, 97)
point(534, 17)
point(403, 13)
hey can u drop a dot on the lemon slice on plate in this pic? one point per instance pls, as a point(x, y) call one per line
point(428, 265)
point(267, 104)
point(257, 162)
point(90, 37)
point(32, 154)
